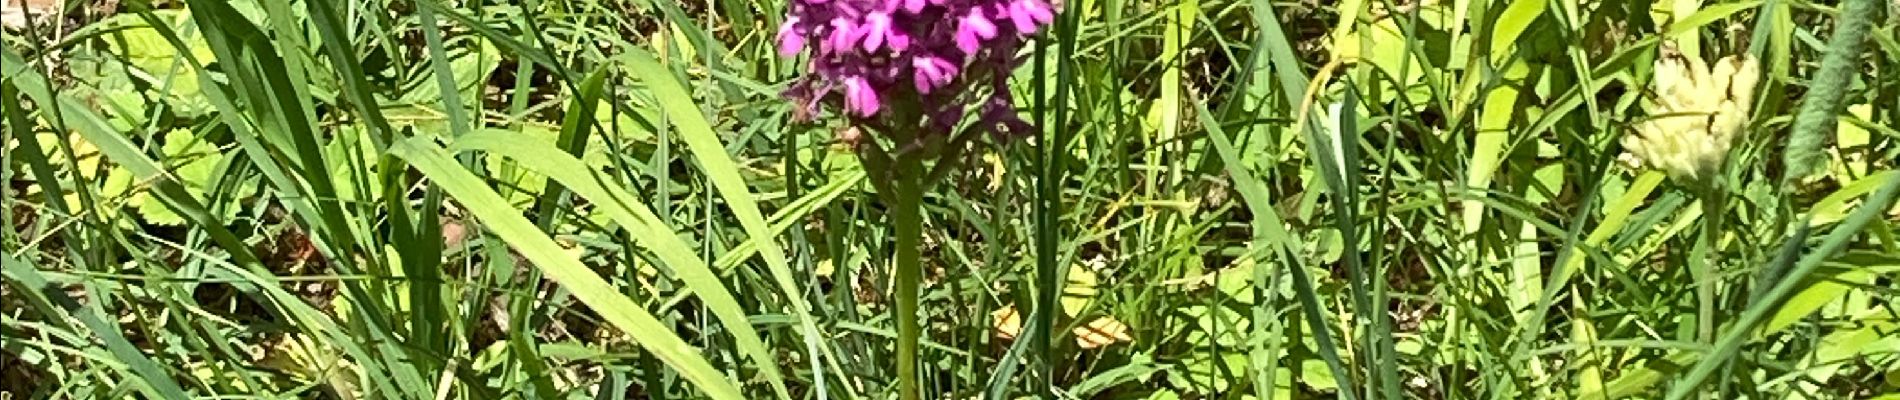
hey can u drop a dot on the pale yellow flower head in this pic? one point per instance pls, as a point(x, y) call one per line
point(1696, 114)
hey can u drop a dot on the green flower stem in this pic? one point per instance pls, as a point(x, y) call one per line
point(1705, 259)
point(907, 216)
point(901, 176)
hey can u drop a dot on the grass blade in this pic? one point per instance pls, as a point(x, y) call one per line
point(633, 214)
point(564, 269)
point(719, 168)
point(28, 279)
point(171, 193)
point(1267, 220)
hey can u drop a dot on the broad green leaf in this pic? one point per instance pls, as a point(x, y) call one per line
point(624, 126)
point(158, 61)
point(1384, 45)
point(83, 151)
point(350, 152)
point(521, 186)
point(1225, 327)
point(1494, 120)
point(1638, 378)
point(1526, 282)
point(191, 160)
point(1850, 141)
point(1313, 374)
point(1079, 290)
point(1589, 359)
point(1851, 272)
point(1835, 206)
point(1517, 18)
point(1843, 346)
point(1164, 114)
point(1237, 283)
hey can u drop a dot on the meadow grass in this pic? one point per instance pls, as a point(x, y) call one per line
point(1225, 199)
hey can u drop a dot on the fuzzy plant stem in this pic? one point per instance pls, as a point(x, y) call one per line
point(1816, 121)
point(907, 217)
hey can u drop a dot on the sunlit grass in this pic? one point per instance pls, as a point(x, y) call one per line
point(1226, 199)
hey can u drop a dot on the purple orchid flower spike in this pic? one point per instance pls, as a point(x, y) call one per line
point(910, 70)
point(955, 55)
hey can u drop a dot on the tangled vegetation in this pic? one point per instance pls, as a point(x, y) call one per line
point(1069, 199)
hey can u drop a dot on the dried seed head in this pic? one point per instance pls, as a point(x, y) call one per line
point(1695, 115)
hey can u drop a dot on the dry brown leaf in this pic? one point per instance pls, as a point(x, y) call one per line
point(1008, 323)
point(1101, 332)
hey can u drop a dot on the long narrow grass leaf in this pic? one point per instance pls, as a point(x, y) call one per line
point(539, 249)
point(633, 214)
point(153, 378)
point(720, 168)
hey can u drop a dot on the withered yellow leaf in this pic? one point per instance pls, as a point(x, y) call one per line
point(1008, 323)
point(1103, 331)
